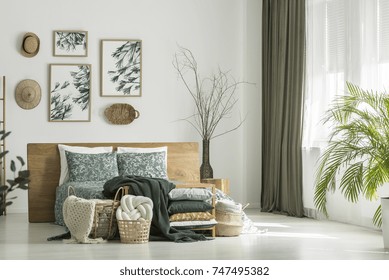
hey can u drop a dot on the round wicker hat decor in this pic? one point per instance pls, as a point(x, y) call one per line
point(121, 113)
point(28, 94)
point(30, 45)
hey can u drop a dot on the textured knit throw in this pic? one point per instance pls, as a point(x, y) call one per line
point(78, 216)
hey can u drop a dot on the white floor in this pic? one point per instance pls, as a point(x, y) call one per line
point(287, 238)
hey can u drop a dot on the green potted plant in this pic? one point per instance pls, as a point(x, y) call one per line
point(20, 181)
point(356, 160)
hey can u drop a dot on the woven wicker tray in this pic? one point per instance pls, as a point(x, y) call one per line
point(121, 113)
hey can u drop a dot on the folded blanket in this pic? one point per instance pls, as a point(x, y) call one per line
point(135, 207)
point(78, 217)
point(157, 190)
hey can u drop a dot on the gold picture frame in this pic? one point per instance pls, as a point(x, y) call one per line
point(121, 67)
point(70, 92)
point(72, 43)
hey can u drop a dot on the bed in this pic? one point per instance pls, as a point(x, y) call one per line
point(44, 163)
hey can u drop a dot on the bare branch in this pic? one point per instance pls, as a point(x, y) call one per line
point(214, 97)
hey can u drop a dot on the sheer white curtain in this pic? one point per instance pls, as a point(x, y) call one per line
point(347, 40)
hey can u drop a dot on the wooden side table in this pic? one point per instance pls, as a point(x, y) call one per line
point(221, 184)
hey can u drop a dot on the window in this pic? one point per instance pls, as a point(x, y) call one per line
point(347, 40)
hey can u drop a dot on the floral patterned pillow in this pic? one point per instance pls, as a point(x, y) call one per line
point(91, 167)
point(152, 165)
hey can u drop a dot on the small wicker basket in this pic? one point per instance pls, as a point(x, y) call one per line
point(228, 223)
point(134, 231)
point(228, 217)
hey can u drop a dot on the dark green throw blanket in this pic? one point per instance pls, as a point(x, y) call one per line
point(157, 190)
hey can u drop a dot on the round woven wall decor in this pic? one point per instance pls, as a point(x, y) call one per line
point(28, 94)
point(121, 113)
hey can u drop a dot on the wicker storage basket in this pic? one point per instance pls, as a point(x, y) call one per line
point(228, 229)
point(228, 223)
point(104, 219)
point(134, 231)
point(228, 217)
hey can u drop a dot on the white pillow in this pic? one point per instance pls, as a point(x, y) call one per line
point(190, 194)
point(141, 150)
point(194, 224)
point(64, 176)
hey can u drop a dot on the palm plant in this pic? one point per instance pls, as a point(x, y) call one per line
point(358, 149)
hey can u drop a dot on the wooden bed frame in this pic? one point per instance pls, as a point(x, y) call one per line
point(44, 164)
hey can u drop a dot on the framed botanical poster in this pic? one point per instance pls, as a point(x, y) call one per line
point(121, 68)
point(70, 43)
point(70, 92)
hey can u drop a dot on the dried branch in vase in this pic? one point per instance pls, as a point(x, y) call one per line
point(214, 96)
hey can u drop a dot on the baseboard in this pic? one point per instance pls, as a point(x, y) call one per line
point(314, 214)
point(253, 205)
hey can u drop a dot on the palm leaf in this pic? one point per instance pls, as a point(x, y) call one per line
point(351, 184)
point(358, 149)
point(377, 217)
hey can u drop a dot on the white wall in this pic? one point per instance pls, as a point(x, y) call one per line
point(217, 32)
point(252, 129)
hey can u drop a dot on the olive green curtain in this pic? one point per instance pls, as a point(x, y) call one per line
point(283, 79)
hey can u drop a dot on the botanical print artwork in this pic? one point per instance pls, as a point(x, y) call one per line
point(70, 92)
point(121, 67)
point(70, 43)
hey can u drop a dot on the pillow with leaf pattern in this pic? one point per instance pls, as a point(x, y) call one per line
point(152, 165)
point(91, 167)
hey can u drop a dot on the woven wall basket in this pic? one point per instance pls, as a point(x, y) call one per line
point(121, 113)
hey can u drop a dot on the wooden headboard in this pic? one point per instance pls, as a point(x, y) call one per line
point(44, 164)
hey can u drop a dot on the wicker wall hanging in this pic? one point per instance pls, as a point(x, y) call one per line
point(121, 113)
point(28, 94)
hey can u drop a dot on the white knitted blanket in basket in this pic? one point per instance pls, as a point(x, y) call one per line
point(78, 216)
point(135, 207)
